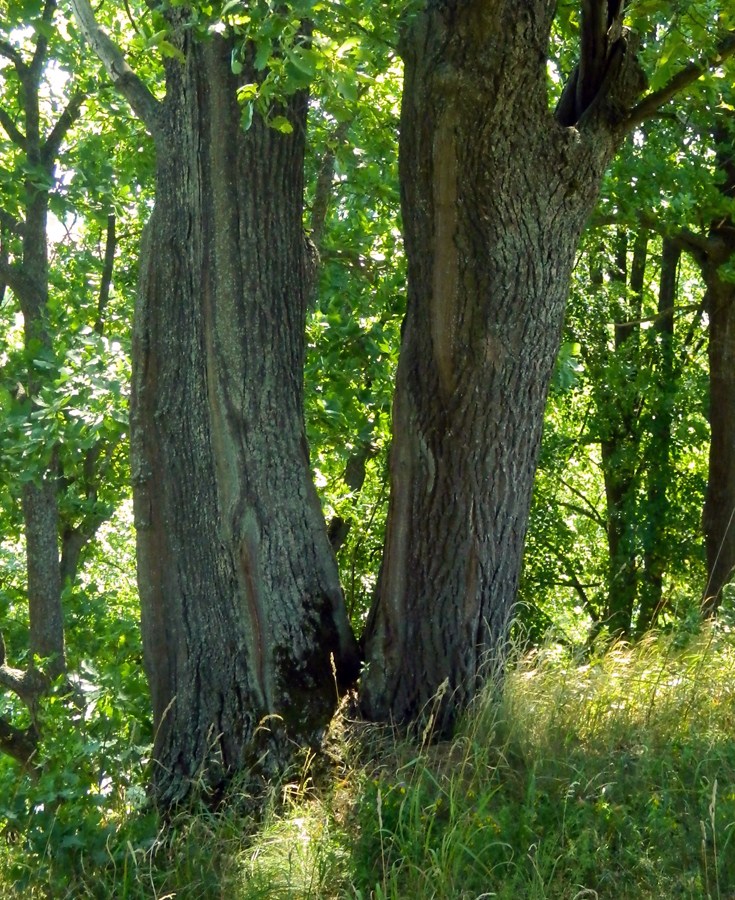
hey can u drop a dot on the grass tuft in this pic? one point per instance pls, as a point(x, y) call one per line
point(611, 775)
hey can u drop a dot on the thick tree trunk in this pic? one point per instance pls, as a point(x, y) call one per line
point(495, 192)
point(245, 633)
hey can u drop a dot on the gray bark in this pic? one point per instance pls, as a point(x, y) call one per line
point(245, 633)
point(495, 191)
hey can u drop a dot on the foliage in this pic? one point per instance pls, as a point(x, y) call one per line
point(353, 332)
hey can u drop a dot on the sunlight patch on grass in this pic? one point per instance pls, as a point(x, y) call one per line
point(610, 775)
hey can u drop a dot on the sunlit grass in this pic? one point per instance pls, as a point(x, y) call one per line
point(611, 776)
point(606, 775)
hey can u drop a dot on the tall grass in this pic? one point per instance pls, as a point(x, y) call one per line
point(606, 776)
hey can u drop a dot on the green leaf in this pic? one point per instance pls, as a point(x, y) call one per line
point(281, 123)
point(307, 61)
point(247, 92)
point(167, 49)
point(346, 85)
point(246, 116)
point(263, 51)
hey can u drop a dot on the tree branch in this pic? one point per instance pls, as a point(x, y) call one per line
point(12, 130)
point(9, 52)
point(39, 54)
point(10, 224)
point(700, 246)
point(688, 75)
point(590, 512)
point(593, 51)
point(144, 104)
point(107, 272)
point(29, 684)
point(325, 177)
point(52, 143)
point(574, 582)
point(19, 283)
point(20, 744)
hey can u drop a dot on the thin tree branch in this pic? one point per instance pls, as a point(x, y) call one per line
point(9, 52)
point(591, 510)
point(4, 257)
point(688, 75)
point(144, 104)
point(699, 245)
point(10, 224)
point(107, 271)
point(574, 582)
point(132, 21)
point(581, 511)
point(661, 314)
point(19, 283)
point(68, 117)
point(39, 54)
point(19, 743)
point(12, 130)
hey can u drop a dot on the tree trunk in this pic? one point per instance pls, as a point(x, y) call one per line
point(660, 471)
point(719, 506)
point(495, 191)
point(245, 634)
point(620, 448)
point(40, 496)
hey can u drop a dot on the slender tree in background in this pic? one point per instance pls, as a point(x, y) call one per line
point(495, 188)
point(245, 632)
point(59, 489)
point(619, 404)
point(715, 255)
point(660, 470)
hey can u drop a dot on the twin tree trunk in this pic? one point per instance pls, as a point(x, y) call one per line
point(495, 191)
point(243, 616)
point(245, 633)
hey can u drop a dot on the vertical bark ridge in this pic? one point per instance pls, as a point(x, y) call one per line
point(494, 195)
point(241, 604)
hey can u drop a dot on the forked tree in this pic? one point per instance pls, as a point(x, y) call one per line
point(496, 187)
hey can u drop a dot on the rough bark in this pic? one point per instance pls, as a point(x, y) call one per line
point(39, 496)
point(719, 506)
point(495, 191)
point(245, 633)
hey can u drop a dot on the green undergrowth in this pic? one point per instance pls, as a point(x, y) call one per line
point(610, 775)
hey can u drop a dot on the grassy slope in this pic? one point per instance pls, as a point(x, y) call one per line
point(605, 777)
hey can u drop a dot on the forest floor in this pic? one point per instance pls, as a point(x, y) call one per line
point(609, 775)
